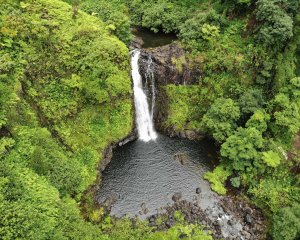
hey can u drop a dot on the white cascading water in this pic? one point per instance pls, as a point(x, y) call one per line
point(143, 118)
point(150, 75)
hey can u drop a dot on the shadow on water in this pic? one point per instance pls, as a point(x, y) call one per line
point(152, 40)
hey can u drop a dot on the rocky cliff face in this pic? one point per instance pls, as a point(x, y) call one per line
point(168, 66)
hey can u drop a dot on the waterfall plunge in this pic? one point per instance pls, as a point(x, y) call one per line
point(143, 117)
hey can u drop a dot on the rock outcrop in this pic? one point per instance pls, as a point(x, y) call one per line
point(169, 65)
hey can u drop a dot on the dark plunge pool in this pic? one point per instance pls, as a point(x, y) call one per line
point(152, 39)
point(145, 175)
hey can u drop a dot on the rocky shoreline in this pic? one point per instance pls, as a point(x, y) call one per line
point(251, 217)
point(245, 221)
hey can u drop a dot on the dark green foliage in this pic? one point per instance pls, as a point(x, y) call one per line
point(220, 120)
point(169, 20)
point(251, 100)
point(276, 21)
point(37, 150)
point(286, 107)
point(160, 15)
point(194, 29)
point(71, 225)
point(286, 223)
point(277, 189)
point(28, 206)
point(58, 66)
point(242, 148)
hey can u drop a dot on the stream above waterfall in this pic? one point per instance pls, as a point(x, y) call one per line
point(152, 40)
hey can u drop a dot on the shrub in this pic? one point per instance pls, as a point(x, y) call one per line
point(286, 223)
point(217, 178)
point(220, 120)
point(276, 25)
point(242, 149)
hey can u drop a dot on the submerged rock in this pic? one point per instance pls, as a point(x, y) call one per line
point(248, 219)
point(181, 157)
point(144, 210)
point(137, 42)
point(176, 197)
point(198, 190)
point(109, 201)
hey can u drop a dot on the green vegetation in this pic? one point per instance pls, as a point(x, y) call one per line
point(65, 95)
point(114, 14)
point(185, 100)
point(217, 179)
point(220, 119)
point(124, 230)
point(286, 223)
point(276, 21)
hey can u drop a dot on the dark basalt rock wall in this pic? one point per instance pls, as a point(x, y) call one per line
point(170, 65)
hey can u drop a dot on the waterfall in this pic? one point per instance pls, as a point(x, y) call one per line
point(150, 76)
point(143, 117)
